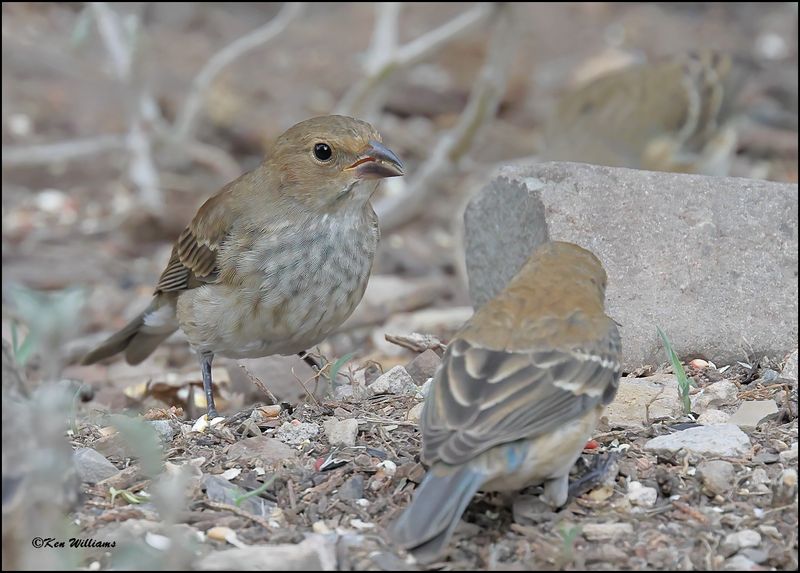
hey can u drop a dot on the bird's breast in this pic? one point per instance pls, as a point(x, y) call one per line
point(289, 288)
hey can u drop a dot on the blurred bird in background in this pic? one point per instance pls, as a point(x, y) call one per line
point(520, 390)
point(278, 258)
point(675, 114)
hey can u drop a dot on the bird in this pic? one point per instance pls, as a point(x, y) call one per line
point(676, 113)
point(519, 391)
point(277, 259)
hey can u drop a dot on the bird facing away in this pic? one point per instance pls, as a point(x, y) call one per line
point(278, 258)
point(674, 114)
point(519, 391)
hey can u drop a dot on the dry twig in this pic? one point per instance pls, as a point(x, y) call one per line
point(184, 124)
point(386, 58)
point(487, 92)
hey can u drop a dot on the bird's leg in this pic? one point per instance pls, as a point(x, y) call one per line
point(310, 360)
point(594, 476)
point(556, 491)
point(205, 366)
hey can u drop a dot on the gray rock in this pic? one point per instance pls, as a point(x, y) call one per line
point(717, 476)
point(423, 366)
point(426, 387)
point(113, 445)
point(724, 440)
point(712, 416)
point(343, 392)
point(740, 540)
point(415, 413)
point(316, 553)
point(789, 370)
point(751, 413)
point(93, 466)
point(765, 457)
point(758, 480)
point(295, 434)
point(740, 563)
point(768, 375)
point(630, 406)
point(722, 393)
point(353, 488)
point(641, 495)
point(784, 489)
point(789, 456)
point(682, 252)
point(269, 451)
point(755, 554)
point(341, 432)
point(164, 429)
point(395, 381)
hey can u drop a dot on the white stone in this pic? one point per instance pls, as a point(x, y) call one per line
point(722, 393)
point(742, 539)
point(640, 398)
point(642, 495)
point(789, 456)
point(712, 416)
point(395, 381)
point(341, 432)
point(724, 440)
point(415, 413)
point(749, 414)
point(294, 434)
point(789, 370)
point(740, 563)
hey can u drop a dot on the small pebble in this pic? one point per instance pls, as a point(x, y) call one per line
point(641, 495)
point(789, 456)
point(712, 416)
point(717, 476)
point(739, 563)
point(341, 432)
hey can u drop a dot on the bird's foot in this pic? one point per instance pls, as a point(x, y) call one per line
point(603, 465)
point(314, 362)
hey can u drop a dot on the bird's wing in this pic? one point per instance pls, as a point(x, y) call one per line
point(483, 397)
point(194, 257)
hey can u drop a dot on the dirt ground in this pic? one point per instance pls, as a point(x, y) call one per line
point(83, 224)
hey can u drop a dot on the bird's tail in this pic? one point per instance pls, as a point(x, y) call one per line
point(140, 337)
point(425, 527)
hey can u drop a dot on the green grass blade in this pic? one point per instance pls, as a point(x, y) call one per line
point(237, 501)
point(683, 381)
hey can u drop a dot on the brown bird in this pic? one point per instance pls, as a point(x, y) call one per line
point(520, 389)
point(674, 114)
point(278, 258)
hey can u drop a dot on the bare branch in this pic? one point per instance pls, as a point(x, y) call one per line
point(419, 49)
point(61, 151)
point(119, 49)
point(451, 148)
point(185, 122)
point(142, 169)
point(384, 37)
point(142, 109)
point(215, 158)
point(363, 99)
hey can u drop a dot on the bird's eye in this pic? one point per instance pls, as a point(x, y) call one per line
point(323, 151)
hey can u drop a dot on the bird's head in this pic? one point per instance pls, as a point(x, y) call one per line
point(332, 161)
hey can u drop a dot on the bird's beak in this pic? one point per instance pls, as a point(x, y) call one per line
point(376, 162)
